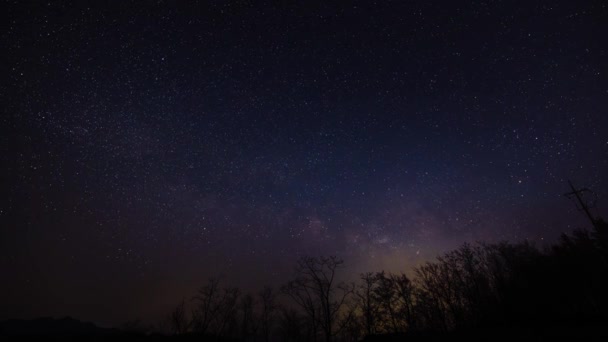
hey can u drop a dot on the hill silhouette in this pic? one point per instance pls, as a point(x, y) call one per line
point(47, 326)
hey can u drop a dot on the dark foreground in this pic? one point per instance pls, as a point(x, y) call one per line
point(71, 329)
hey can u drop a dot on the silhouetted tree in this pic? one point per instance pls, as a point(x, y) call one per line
point(178, 320)
point(437, 282)
point(302, 292)
point(290, 326)
point(208, 305)
point(489, 286)
point(268, 309)
point(366, 301)
point(227, 315)
point(384, 295)
point(351, 327)
point(215, 310)
point(404, 293)
point(248, 319)
point(316, 292)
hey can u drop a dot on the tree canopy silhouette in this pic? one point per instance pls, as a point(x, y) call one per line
point(476, 287)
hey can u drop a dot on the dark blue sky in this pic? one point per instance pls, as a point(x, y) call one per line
point(146, 147)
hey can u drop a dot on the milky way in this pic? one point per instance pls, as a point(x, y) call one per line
point(146, 147)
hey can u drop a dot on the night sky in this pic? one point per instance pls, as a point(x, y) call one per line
point(147, 146)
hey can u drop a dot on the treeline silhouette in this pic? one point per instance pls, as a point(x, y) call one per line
point(489, 291)
point(502, 291)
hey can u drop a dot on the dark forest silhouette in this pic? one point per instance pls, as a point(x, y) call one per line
point(477, 289)
point(487, 291)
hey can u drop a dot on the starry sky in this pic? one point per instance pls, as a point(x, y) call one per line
point(147, 146)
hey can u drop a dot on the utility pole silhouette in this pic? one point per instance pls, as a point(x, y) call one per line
point(583, 205)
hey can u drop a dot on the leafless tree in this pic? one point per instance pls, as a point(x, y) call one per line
point(405, 293)
point(367, 302)
point(226, 322)
point(434, 282)
point(208, 305)
point(178, 320)
point(248, 319)
point(385, 295)
point(268, 309)
point(216, 308)
point(290, 325)
point(315, 290)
